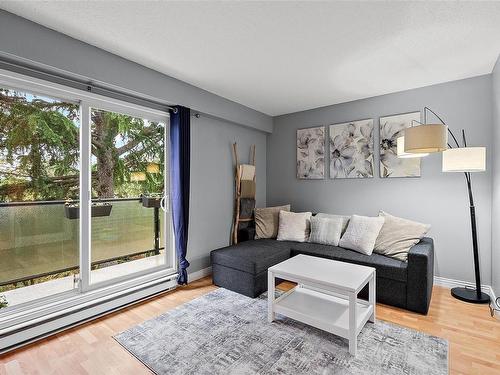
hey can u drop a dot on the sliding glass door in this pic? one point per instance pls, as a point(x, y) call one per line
point(128, 184)
point(84, 194)
point(39, 172)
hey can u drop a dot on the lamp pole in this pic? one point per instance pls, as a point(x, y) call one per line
point(433, 138)
point(464, 293)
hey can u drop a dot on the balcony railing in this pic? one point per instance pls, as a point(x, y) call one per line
point(38, 240)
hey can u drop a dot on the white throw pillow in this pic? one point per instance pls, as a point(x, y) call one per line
point(267, 221)
point(294, 226)
point(398, 235)
point(326, 231)
point(345, 219)
point(362, 233)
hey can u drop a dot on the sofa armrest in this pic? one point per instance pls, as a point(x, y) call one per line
point(420, 276)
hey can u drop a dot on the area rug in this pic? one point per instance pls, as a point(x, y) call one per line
point(224, 332)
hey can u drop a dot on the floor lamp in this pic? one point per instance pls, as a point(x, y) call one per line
point(429, 138)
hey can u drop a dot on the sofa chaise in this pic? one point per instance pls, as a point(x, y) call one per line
point(243, 268)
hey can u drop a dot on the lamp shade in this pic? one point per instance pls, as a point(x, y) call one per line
point(426, 138)
point(464, 159)
point(404, 155)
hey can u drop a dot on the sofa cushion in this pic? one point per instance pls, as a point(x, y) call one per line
point(326, 231)
point(252, 256)
point(398, 236)
point(294, 226)
point(386, 267)
point(345, 219)
point(257, 256)
point(361, 233)
point(267, 220)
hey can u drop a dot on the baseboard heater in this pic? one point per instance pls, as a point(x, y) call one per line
point(43, 327)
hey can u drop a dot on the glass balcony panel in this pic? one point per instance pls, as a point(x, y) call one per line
point(36, 240)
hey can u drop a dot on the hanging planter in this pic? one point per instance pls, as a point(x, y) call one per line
point(99, 209)
point(151, 200)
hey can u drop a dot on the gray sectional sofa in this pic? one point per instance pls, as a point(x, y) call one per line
point(243, 268)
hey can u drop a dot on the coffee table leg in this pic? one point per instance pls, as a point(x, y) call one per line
point(353, 345)
point(270, 296)
point(371, 298)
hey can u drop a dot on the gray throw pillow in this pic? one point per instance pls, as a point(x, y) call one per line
point(326, 231)
point(345, 219)
point(267, 221)
point(362, 233)
point(398, 235)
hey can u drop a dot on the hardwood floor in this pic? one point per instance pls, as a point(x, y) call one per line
point(474, 337)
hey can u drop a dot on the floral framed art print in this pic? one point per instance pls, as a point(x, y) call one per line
point(391, 128)
point(351, 149)
point(311, 153)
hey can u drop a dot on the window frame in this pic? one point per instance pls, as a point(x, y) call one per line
point(85, 280)
point(37, 309)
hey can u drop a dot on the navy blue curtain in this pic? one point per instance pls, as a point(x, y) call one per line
point(180, 142)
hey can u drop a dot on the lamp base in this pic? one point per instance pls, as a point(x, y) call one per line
point(470, 295)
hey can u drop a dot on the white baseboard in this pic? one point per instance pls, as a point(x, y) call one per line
point(452, 283)
point(200, 274)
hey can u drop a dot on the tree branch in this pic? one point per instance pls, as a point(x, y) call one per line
point(97, 144)
point(133, 143)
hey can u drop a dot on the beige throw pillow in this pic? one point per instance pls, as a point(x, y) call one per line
point(266, 221)
point(398, 235)
point(362, 233)
point(294, 226)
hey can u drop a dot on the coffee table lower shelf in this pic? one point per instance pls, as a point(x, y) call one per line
point(322, 310)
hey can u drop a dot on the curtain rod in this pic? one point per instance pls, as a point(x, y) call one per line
point(80, 84)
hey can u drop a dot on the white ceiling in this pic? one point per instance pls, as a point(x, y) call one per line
point(282, 57)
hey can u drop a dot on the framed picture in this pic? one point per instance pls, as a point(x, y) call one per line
point(311, 153)
point(351, 149)
point(392, 127)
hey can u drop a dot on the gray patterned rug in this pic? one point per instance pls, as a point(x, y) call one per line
point(226, 333)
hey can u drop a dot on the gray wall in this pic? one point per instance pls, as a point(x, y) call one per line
point(212, 183)
point(222, 122)
point(27, 41)
point(436, 198)
point(495, 206)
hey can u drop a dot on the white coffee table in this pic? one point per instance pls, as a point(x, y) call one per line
point(326, 295)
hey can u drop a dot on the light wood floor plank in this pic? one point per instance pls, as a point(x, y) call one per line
point(474, 337)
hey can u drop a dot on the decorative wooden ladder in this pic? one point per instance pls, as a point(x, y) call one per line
point(244, 175)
